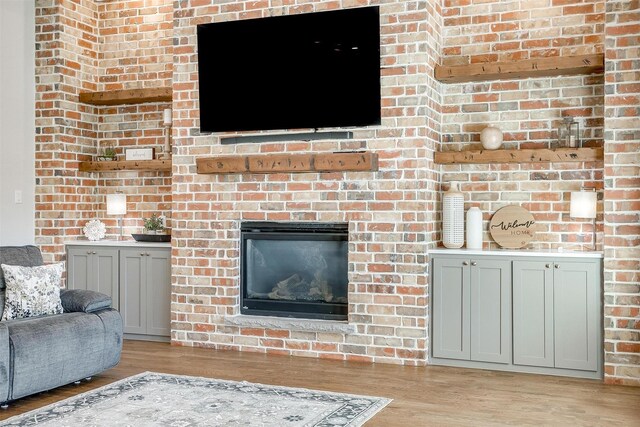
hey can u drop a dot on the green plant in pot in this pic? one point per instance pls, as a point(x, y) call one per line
point(108, 152)
point(154, 224)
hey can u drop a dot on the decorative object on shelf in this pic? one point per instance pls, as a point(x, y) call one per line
point(117, 205)
point(166, 122)
point(584, 205)
point(94, 230)
point(569, 133)
point(491, 138)
point(147, 153)
point(107, 152)
point(453, 217)
point(151, 237)
point(154, 224)
point(512, 227)
point(474, 228)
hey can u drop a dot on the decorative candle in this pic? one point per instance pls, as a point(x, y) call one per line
point(167, 117)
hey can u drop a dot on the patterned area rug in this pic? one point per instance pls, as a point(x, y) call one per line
point(153, 399)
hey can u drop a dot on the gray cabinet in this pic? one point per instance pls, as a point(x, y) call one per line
point(145, 297)
point(517, 312)
point(471, 309)
point(556, 314)
point(93, 268)
point(138, 279)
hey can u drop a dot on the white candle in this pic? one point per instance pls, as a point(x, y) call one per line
point(167, 117)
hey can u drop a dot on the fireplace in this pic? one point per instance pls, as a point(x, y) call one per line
point(294, 270)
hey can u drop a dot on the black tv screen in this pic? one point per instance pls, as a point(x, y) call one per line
point(314, 70)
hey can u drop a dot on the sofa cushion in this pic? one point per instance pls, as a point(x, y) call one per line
point(32, 291)
point(83, 300)
point(51, 351)
point(26, 256)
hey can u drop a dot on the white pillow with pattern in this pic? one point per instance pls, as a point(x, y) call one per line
point(32, 291)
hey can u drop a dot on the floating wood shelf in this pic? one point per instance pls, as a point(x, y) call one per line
point(124, 165)
point(536, 67)
point(127, 96)
point(289, 163)
point(520, 156)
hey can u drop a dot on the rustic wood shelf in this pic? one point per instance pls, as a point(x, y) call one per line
point(535, 67)
point(124, 165)
point(289, 163)
point(520, 156)
point(127, 96)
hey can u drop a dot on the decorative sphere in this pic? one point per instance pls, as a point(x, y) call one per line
point(491, 138)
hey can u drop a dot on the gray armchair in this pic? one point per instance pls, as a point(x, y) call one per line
point(44, 352)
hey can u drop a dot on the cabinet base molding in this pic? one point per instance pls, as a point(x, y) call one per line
point(573, 373)
point(139, 337)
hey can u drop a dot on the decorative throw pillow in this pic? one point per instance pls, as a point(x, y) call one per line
point(32, 291)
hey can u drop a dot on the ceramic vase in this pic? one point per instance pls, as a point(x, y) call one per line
point(453, 217)
point(474, 228)
point(491, 138)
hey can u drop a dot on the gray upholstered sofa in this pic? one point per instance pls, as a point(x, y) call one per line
point(41, 353)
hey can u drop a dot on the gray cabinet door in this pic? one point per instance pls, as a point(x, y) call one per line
point(450, 316)
point(490, 311)
point(158, 277)
point(533, 313)
point(576, 307)
point(105, 274)
point(133, 291)
point(94, 269)
point(79, 268)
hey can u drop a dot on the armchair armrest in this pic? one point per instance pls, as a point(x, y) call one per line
point(80, 300)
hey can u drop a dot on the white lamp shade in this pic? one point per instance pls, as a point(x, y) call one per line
point(583, 204)
point(166, 117)
point(116, 204)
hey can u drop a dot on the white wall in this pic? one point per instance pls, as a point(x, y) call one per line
point(17, 121)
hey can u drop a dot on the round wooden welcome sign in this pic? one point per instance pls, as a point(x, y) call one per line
point(512, 227)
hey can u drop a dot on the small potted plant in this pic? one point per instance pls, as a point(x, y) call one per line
point(108, 152)
point(154, 224)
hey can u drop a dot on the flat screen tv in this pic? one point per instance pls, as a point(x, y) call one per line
point(305, 71)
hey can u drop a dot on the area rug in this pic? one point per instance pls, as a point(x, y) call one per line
point(153, 399)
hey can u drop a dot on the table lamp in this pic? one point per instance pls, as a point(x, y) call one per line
point(583, 205)
point(117, 205)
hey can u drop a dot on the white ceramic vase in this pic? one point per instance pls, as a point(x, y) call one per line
point(474, 228)
point(453, 217)
point(491, 138)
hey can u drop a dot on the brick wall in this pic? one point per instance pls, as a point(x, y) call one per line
point(135, 51)
point(89, 46)
point(66, 63)
point(528, 111)
point(622, 194)
point(394, 213)
point(390, 212)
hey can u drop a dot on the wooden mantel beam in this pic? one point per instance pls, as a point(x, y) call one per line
point(288, 163)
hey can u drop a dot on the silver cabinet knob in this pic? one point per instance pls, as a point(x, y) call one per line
point(88, 252)
point(141, 253)
point(474, 263)
point(557, 265)
point(547, 265)
point(147, 254)
point(465, 262)
point(94, 252)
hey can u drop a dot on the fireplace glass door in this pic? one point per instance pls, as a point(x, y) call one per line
point(294, 270)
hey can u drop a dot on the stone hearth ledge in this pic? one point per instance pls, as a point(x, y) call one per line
point(290, 324)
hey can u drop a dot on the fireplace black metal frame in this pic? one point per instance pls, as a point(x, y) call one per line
point(289, 231)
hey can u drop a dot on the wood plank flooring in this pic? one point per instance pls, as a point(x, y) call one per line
point(422, 396)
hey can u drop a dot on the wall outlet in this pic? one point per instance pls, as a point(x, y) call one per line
point(17, 197)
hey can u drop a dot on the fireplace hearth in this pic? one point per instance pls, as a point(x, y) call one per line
point(294, 270)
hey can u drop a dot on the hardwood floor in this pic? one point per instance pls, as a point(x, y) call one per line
point(422, 396)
